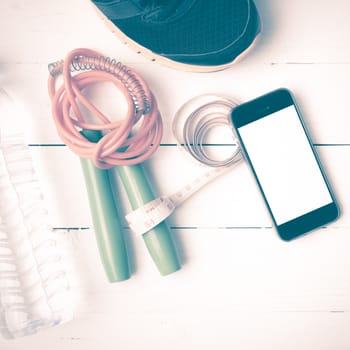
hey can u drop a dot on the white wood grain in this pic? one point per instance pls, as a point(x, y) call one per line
point(258, 289)
point(318, 88)
point(232, 200)
point(240, 287)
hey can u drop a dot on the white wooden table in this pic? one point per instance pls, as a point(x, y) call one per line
point(240, 286)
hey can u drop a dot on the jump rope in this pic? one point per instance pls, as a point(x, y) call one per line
point(193, 125)
point(125, 145)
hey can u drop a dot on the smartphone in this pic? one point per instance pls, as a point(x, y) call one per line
point(278, 148)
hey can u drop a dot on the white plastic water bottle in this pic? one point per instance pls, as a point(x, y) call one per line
point(34, 291)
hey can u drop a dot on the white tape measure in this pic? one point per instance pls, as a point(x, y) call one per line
point(192, 126)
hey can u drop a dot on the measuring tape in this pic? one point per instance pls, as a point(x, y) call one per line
point(192, 125)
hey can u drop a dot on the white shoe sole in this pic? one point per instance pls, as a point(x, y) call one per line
point(166, 61)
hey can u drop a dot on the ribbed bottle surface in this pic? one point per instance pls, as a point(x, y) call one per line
point(34, 291)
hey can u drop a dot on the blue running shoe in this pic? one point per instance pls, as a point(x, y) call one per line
point(192, 35)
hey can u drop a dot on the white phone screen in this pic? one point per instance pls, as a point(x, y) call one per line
point(285, 165)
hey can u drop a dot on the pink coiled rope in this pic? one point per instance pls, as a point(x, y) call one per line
point(126, 142)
